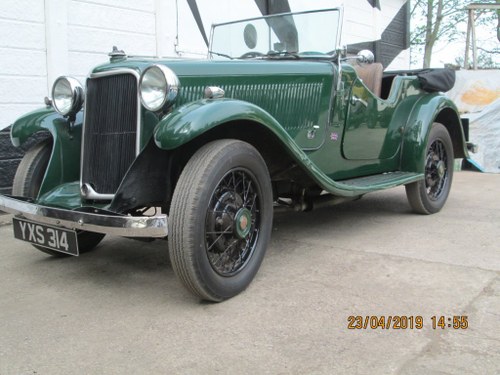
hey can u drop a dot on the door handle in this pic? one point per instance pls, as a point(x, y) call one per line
point(355, 100)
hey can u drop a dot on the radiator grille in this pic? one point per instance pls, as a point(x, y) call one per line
point(110, 131)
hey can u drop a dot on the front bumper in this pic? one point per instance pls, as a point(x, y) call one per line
point(99, 221)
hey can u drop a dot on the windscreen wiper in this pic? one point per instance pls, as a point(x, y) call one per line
point(221, 54)
point(277, 54)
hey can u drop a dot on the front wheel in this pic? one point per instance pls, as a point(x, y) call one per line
point(429, 195)
point(27, 183)
point(220, 219)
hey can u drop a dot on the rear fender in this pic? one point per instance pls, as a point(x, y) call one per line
point(430, 109)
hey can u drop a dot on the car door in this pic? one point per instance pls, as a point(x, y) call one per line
point(366, 135)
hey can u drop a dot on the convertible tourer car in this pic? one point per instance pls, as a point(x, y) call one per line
point(199, 152)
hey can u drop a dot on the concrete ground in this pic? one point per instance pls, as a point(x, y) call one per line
point(120, 309)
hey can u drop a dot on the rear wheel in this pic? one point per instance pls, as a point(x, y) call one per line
point(429, 195)
point(27, 183)
point(220, 219)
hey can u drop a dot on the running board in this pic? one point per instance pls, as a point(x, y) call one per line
point(380, 181)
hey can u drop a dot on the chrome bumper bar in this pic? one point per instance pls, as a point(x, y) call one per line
point(126, 226)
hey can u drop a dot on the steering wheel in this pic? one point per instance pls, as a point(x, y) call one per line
point(251, 54)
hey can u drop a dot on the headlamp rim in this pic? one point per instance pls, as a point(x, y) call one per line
point(171, 89)
point(77, 95)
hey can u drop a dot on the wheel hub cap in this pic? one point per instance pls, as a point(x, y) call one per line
point(242, 222)
point(441, 169)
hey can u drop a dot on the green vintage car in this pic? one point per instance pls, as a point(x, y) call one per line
point(199, 152)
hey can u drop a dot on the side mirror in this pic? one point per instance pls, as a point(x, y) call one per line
point(342, 51)
point(365, 57)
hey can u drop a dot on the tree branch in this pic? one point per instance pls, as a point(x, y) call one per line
point(495, 51)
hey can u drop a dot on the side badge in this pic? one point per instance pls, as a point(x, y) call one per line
point(312, 133)
point(334, 136)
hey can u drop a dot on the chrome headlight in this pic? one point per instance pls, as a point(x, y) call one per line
point(67, 95)
point(158, 87)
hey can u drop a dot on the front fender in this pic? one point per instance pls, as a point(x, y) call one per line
point(427, 110)
point(31, 123)
point(64, 162)
point(193, 119)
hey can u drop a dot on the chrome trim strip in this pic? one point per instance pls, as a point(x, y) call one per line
point(339, 44)
point(126, 226)
point(96, 195)
point(277, 15)
point(88, 192)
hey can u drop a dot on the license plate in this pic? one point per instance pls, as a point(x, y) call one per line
point(53, 238)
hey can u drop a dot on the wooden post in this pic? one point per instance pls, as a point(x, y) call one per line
point(467, 42)
point(471, 31)
point(474, 44)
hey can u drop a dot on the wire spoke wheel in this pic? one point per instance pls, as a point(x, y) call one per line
point(232, 222)
point(220, 219)
point(429, 195)
point(436, 170)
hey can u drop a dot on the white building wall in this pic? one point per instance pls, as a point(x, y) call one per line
point(94, 27)
point(43, 39)
point(23, 62)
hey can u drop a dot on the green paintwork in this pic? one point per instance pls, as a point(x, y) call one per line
point(66, 195)
point(296, 93)
point(399, 103)
point(64, 163)
point(290, 98)
point(149, 122)
point(192, 120)
point(418, 128)
point(373, 125)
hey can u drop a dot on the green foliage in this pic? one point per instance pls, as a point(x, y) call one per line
point(446, 21)
point(484, 61)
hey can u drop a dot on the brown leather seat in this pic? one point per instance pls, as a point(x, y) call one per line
point(371, 75)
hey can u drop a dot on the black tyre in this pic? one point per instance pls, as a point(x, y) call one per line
point(429, 195)
point(27, 182)
point(220, 219)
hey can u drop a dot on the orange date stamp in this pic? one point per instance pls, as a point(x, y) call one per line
point(407, 322)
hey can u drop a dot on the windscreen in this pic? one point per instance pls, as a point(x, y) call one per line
point(313, 33)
